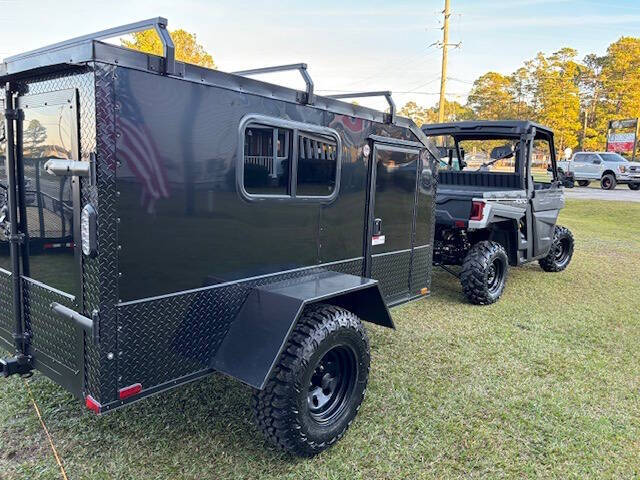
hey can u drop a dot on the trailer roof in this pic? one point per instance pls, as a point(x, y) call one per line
point(486, 127)
point(84, 50)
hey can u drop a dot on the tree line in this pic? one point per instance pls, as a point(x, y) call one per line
point(576, 98)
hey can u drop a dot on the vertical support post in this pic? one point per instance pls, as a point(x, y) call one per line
point(14, 234)
point(21, 193)
point(635, 140)
point(445, 45)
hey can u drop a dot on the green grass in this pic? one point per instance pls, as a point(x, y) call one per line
point(545, 383)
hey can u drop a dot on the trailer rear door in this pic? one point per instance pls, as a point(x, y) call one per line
point(48, 211)
point(392, 212)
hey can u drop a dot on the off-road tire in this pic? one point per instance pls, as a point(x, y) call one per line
point(283, 409)
point(475, 276)
point(583, 183)
point(557, 260)
point(608, 182)
point(634, 186)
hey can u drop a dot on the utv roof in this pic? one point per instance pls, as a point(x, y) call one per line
point(484, 127)
point(83, 50)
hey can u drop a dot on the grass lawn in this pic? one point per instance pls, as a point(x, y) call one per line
point(546, 383)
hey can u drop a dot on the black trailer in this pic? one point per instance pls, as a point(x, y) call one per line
point(217, 224)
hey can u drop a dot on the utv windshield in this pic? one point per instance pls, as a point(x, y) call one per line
point(499, 155)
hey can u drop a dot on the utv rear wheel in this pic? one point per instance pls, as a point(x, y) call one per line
point(608, 182)
point(484, 272)
point(583, 183)
point(634, 186)
point(561, 251)
point(318, 384)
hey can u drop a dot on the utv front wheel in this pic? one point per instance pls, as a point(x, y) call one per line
point(318, 384)
point(561, 251)
point(583, 183)
point(634, 186)
point(608, 182)
point(484, 272)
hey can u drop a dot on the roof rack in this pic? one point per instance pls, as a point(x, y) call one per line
point(159, 24)
point(301, 67)
point(384, 93)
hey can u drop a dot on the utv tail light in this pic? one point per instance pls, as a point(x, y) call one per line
point(88, 231)
point(477, 211)
point(129, 391)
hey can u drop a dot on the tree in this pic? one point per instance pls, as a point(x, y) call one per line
point(557, 95)
point(454, 112)
point(491, 97)
point(34, 135)
point(590, 85)
point(188, 50)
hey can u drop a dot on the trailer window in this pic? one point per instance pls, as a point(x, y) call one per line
point(317, 165)
point(288, 160)
point(266, 169)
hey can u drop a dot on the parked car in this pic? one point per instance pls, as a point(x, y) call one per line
point(488, 218)
point(608, 168)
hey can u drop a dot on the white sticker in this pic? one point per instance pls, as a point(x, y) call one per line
point(377, 240)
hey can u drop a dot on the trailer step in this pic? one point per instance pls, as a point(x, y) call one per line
point(18, 365)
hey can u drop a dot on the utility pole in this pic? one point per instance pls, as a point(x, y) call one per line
point(445, 45)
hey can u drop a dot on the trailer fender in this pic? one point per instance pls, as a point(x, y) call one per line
point(260, 332)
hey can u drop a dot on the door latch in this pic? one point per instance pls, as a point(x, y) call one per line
point(377, 227)
point(67, 168)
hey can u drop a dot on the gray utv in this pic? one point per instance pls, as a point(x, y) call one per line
point(497, 203)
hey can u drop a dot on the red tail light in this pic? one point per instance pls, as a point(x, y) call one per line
point(129, 391)
point(92, 404)
point(477, 211)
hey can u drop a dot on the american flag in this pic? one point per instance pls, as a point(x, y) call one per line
point(138, 151)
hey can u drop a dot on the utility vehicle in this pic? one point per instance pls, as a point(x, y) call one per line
point(213, 223)
point(608, 168)
point(496, 205)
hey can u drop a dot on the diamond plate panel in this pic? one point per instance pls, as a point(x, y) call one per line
point(421, 268)
point(6, 308)
point(50, 334)
point(392, 271)
point(100, 274)
point(173, 336)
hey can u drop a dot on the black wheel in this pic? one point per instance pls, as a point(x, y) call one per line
point(634, 186)
point(583, 183)
point(318, 384)
point(608, 182)
point(560, 252)
point(484, 272)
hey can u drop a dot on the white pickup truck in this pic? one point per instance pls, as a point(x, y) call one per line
point(608, 168)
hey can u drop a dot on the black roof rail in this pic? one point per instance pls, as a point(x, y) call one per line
point(384, 93)
point(301, 67)
point(159, 24)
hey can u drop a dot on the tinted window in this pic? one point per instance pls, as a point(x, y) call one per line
point(266, 169)
point(317, 165)
point(612, 157)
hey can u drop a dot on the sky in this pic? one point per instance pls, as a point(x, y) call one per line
point(350, 46)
